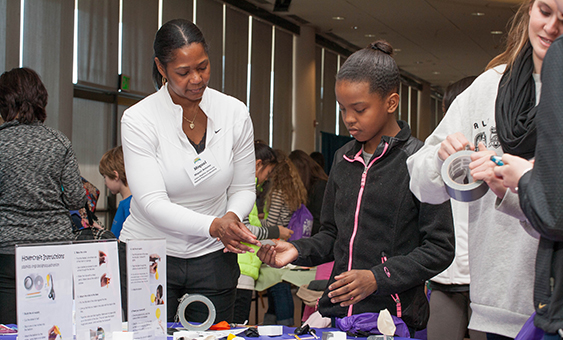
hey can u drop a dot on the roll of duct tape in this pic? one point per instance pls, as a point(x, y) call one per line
point(457, 177)
point(185, 301)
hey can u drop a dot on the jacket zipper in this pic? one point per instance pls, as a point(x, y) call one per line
point(394, 296)
point(359, 158)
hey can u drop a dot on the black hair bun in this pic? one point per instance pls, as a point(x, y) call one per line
point(383, 46)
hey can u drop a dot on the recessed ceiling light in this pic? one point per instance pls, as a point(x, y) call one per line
point(370, 35)
point(396, 50)
point(338, 18)
point(435, 72)
point(354, 27)
point(478, 14)
point(418, 62)
point(496, 32)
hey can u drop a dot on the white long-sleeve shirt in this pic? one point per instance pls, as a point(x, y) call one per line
point(501, 254)
point(162, 166)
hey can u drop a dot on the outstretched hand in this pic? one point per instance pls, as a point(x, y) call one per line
point(231, 232)
point(352, 286)
point(279, 255)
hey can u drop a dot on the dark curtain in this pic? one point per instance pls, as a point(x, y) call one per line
point(329, 144)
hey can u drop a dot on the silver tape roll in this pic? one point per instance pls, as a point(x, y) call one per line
point(457, 177)
point(185, 301)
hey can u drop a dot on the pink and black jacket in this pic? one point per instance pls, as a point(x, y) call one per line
point(371, 220)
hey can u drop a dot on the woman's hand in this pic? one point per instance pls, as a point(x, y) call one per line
point(452, 144)
point(229, 230)
point(482, 169)
point(278, 256)
point(352, 286)
point(285, 233)
point(512, 170)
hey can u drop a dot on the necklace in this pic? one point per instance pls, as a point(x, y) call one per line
point(192, 125)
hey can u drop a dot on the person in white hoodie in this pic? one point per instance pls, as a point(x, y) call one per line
point(449, 300)
point(495, 113)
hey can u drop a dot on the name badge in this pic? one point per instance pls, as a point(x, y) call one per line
point(203, 167)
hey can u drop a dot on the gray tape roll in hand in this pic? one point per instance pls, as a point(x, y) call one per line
point(185, 301)
point(459, 183)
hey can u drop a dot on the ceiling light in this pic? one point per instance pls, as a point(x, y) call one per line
point(496, 32)
point(436, 72)
point(338, 18)
point(370, 36)
point(478, 14)
point(396, 50)
point(354, 27)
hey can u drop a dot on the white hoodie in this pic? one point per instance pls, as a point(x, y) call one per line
point(501, 253)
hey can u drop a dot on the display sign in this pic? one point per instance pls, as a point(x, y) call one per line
point(146, 288)
point(97, 290)
point(44, 292)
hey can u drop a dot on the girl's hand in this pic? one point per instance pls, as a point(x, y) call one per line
point(482, 169)
point(514, 167)
point(352, 286)
point(278, 256)
point(285, 233)
point(452, 144)
point(229, 230)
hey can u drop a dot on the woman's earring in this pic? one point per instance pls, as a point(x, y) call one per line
point(164, 80)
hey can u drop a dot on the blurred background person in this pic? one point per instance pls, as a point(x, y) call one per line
point(39, 178)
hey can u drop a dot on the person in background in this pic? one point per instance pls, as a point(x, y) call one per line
point(319, 158)
point(450, 309)
point(113, 170)
point(249, 263)
point(39, 178)
point(496, 114)
point(384, 242)
point(285, 195)
point(189, 158)
point(314, 178)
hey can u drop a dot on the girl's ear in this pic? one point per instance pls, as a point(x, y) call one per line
point(116, 175)
point(393, 102)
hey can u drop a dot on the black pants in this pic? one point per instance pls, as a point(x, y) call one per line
point(122, 252)
point(8, 289)
point(243, 304)
point(214, 275)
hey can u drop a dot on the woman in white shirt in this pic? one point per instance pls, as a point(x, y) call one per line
point(189, 158)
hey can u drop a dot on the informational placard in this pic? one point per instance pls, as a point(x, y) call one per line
point(44, 292)
point(146, 288)
point(97, 290)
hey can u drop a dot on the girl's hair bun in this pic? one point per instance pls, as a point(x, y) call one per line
point(383, 46)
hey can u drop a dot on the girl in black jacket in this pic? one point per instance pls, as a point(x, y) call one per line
point(385, 243)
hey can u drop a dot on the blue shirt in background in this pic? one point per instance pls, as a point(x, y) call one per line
point(120, 216)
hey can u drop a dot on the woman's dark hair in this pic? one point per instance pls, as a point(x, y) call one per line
point(264, 153)
point(171, 36)
point(22, 96)
point(453, 90)
point(309, 170)
point(319, 158)
point(375, 65)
